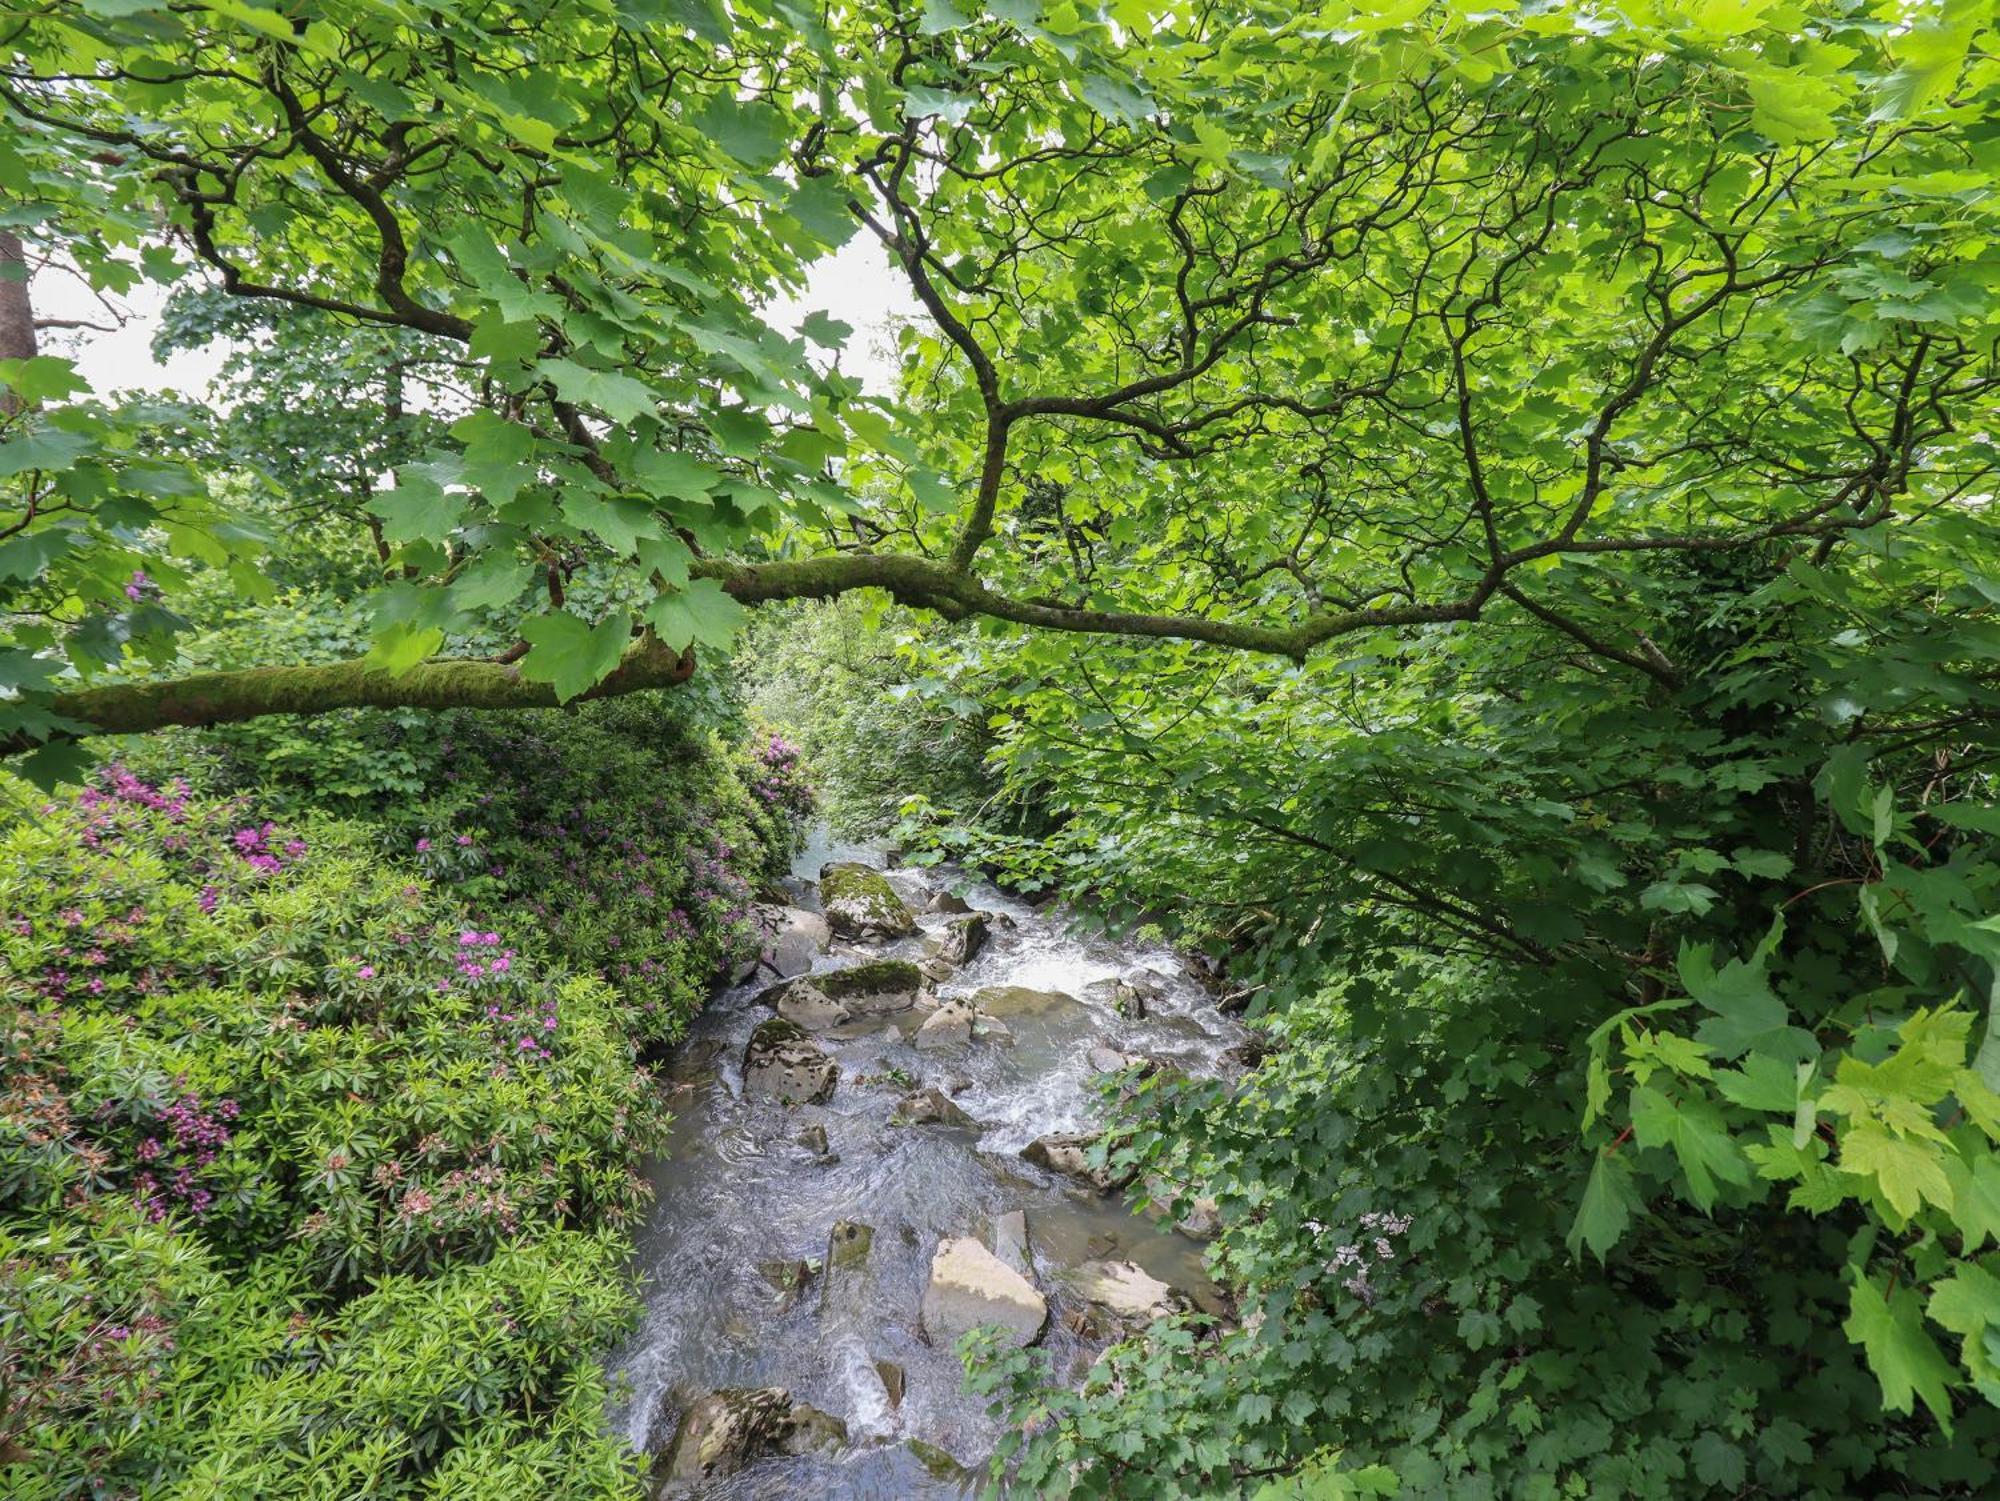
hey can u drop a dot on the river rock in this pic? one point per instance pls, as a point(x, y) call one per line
point(781, 1063)
point(1105, 1059)
point(1010, 1240)
point(1065, 1152)
point(805, 1005)
point(860, 902)
point(991, 1029)
point(793, 939)
point(874, 987)
point(1126, 1291)
point(724, 1430)
point(964, 937)
point(1200, 1218)
point(848, 1244)
point(947, 901)
point(929, 1106)
point(969, 1287)
point(937, 1463)
point(947, 1027)
point(789, 1278)
point(813, 1139)
point(1005, 1001)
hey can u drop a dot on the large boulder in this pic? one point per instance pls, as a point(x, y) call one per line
point(805, 1005)
point(1006, 1001)
point(782, 1064)
point(860, 902)
point(724, 1430)
point(1067, 1153)
point(874, 987)
point(793, 939)
point(971, 1287)
point(949, 1026)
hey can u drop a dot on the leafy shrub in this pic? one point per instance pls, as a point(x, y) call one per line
point(308, 1184)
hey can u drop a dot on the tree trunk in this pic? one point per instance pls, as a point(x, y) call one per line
point(17, 313)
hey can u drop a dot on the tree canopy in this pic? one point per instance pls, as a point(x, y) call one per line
point(1250, 328)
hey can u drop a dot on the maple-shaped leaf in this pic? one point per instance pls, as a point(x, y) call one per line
point(1905, 1359)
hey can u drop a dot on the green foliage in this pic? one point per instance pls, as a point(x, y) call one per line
point(847, 684)
point(307, 1185)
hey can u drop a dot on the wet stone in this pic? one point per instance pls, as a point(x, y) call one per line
point(1010, 1240)
point(1126, 1291)
point(893, 1381)
point(848, 1244)
point(929, 1106)
point(724, 1430)
point(874, 987)
point(964, 937)
point(971, 1287)
point(1065, 1152)
point(1006, 1001)
point(947, 1027)
point(781, 1064)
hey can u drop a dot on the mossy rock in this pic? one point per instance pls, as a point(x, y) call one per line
point(938, 1464)
point(860, 903)
point(873, 988)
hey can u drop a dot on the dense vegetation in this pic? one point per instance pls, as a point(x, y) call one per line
point(1479, 516)
point(320, 1135)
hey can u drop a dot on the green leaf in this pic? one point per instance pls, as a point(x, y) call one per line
point(618, 397)
point(1609, 1201)
point(701, 613)
point(1907, 1172)
point(1906, 1361)
point(752, 132)
point(1693, 1128)
point(571, 656)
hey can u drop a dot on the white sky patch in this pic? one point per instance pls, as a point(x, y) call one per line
point(856, 285)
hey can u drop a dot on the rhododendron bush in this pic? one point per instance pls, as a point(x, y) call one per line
point(290, 1147)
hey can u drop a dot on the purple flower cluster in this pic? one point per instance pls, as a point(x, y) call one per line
point(254, 846)
point(188, 1142)
point(780, 783)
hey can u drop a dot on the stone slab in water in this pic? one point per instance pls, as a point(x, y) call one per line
point(724, 1430)
point(1010, 1240)
point(780, 1063)
point(1020, 1000)
point(875, 987)
point(971, 1287)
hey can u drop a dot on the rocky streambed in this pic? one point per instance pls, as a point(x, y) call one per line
point(879, 1143)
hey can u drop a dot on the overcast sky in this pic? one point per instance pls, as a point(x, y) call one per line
point(857, 285)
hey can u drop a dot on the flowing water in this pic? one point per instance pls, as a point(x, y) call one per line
point(737, 1190)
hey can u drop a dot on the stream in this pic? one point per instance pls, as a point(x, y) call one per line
point(738, 1191)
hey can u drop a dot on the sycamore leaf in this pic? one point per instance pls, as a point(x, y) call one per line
point(1905, 1359)
point(1608, 1202)
point(618, 397)
point(570, 655)
point(1907, 1172)
point(699, 613)
point(401, 645)
point(1694, 1129)
point(1975, 1196)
